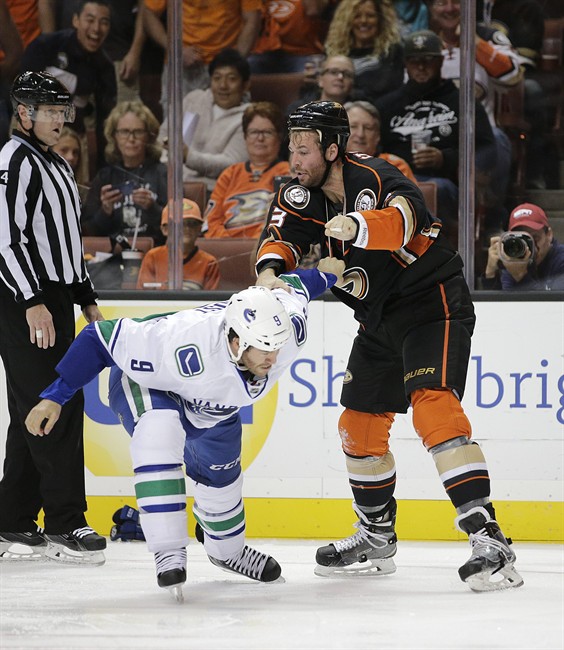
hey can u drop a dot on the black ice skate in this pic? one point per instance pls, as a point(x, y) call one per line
point(81, 546)
point(251, 564)
point(171, 571)
point(490, 566)
point(368, 552)
point(22, 546)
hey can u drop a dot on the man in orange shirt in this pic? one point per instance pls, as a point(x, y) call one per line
point(200, 269)
point(207, 28)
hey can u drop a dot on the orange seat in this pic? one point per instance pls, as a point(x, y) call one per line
point(235, 257)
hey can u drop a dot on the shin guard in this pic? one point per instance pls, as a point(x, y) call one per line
point(221, 514)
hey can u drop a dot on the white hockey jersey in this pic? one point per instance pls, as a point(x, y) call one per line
point(186, 353)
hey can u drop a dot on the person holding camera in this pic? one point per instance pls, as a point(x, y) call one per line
point(128, 196)
point(527, 257)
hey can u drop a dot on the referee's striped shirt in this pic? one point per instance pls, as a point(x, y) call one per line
point(40, 238)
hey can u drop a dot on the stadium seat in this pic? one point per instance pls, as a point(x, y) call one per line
point(235, 258)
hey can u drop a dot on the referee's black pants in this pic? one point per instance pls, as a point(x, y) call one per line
point(40, 472)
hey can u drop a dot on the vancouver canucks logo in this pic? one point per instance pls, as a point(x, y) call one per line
point(297, 196)
point(366, 200)
point(249, 315)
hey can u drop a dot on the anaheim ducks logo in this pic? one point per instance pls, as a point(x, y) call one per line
point(355, 282)
point(247, 208)
point(297, 196)
point(366, 200)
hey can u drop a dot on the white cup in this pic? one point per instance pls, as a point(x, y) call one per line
point(420, 140)
point(131, 265)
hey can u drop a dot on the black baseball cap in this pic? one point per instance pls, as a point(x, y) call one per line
point(422, 43)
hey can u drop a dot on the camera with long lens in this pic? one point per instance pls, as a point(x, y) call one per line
point(514, 246)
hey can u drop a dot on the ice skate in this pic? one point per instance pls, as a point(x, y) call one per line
point(251, 564)
point(368, 552)
point(22, 546)
point(490, 566)
point(171, 571)
point(81, 546)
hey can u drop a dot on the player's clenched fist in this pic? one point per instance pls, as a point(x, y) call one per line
point(332, 265)
point(341, 227)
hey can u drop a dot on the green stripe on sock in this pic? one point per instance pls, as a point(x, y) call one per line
point(220, 526)
point(160, 488)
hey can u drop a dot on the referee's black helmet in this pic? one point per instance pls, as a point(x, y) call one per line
point(36, 88)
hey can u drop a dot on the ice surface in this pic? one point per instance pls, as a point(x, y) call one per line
point(423, 605)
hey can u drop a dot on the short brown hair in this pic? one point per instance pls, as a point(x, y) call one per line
point(268, 110)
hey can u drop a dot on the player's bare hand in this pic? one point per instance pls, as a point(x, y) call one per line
point(341, 227)
point(43, 417)
point(92, 313)
point(268, 279)
point(41, 328)
point(332, 265)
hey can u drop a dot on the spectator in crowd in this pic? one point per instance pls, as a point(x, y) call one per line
point(205, 33)
point(367, 31)
point(497, 65)
point(241, 197)
point(200, 269)
point(533, 263)
point(69, 148)
point(291, 37)
point(76, 57)
point(11, 49)
point(334, 84)
point(128, 195)
point(364, 121)
point(218, 139)
point(427, 103)
point(31, 17)
point(412, 16)
point(138, 60)
point(523, 21)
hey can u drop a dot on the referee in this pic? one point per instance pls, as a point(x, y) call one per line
point(42, 275)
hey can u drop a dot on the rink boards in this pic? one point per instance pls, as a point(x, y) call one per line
point(295, 479)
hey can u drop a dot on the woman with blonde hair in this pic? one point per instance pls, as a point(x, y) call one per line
point(127, 197)
point(69, 147)
point(367, 31)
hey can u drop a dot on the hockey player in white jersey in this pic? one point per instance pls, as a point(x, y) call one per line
point(177, 383)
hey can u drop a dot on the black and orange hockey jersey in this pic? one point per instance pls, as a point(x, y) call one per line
point(398, 248)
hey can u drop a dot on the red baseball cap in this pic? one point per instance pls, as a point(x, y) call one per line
point(528, 215)
point(190, 210)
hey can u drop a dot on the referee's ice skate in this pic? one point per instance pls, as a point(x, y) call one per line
point(368, 552)
point(81, 546)
point(22, 546)
point(171, 571)
point(490, 566)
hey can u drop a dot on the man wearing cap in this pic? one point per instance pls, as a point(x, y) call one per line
point(426, 102)
point(200, 269)
point(539, 270)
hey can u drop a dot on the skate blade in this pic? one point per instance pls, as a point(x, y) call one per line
point(505, 578)
point(176, 593)
point(12, 553)
point(371, 568)
point(60, 553)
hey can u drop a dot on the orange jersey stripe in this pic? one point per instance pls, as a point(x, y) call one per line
point(447, 332)
point(466, 480)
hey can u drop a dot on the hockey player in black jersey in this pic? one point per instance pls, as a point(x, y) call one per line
point(405, 284)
